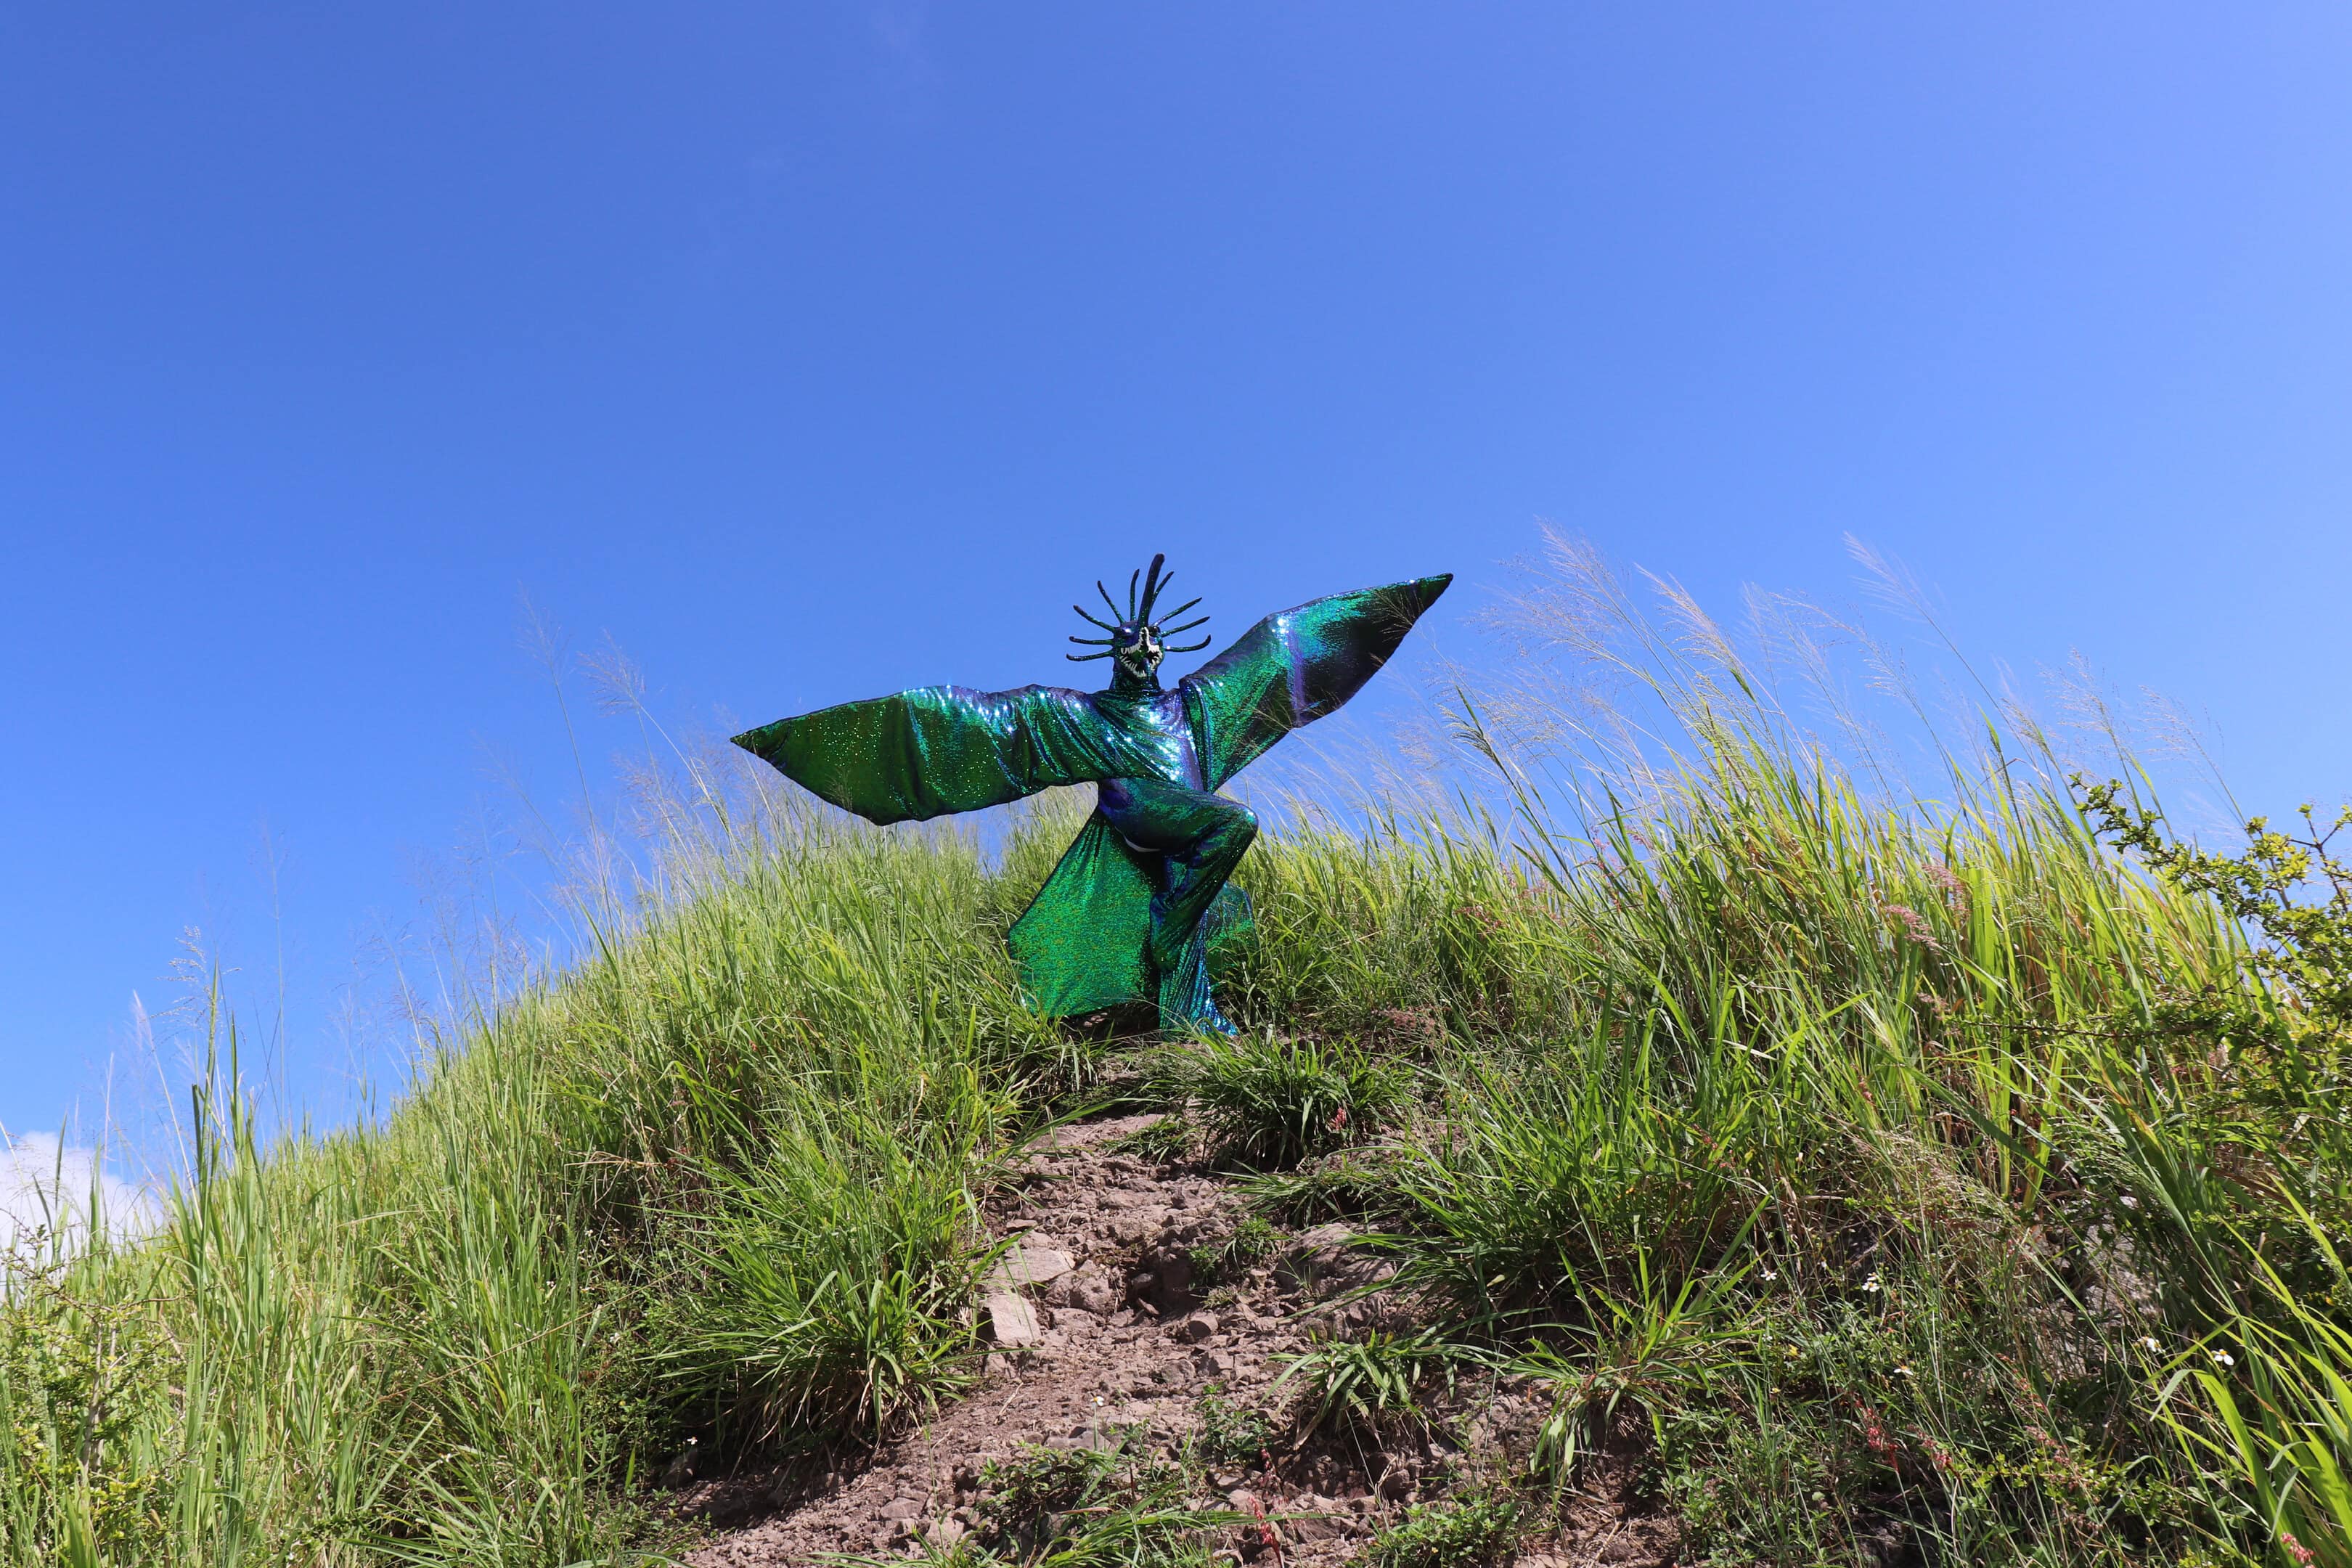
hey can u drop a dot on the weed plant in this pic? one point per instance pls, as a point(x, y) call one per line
point(1467, 1533)
point(1264, 1103)
point(1049, 1507)
point(1250, 1243)
point(1234, 1434)
point(1379, 1381)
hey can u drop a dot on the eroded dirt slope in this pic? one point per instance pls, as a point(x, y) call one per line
point(1129, 1340)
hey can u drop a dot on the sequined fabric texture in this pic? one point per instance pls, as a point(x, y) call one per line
point(1099, 932)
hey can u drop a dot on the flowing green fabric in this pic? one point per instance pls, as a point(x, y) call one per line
point(942, 748)
point(1086, 943)
point(1293, 668)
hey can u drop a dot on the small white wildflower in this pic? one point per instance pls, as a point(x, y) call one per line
point(1771, 1274)
point(2147, 1342)
point(2225, 1358)
point(1901, 1371)
point(1871, 1284)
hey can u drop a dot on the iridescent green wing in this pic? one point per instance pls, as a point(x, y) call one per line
point(927, 753)
point(1293, 668)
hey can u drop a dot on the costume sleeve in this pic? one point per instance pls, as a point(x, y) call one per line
point(922, 753)
point(1292, 669)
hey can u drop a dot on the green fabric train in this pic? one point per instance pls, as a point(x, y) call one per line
point(1138, 903)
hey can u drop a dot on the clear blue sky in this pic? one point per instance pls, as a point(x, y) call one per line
point(816, 351)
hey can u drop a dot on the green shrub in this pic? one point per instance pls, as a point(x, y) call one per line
point(832, 1280)
point(1562, 1178)
point(1357, 1185)
point(78, 1377)
point(1092, 1507)
point(1037, 1482)
point(1163, 1141)
point(1267, 1104)
point(1248, 1244)
point(1471, 1533)
point(1233, 1434)
point(1380, 1379)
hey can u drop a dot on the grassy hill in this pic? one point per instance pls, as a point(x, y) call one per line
point(1931, 1170)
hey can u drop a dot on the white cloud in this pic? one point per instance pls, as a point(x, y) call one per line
point(45, 1183)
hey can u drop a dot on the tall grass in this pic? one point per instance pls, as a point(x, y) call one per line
point(468, 1334)
point(1844, 1134)
point(1851, 1134)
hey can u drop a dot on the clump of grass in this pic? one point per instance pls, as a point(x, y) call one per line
point(1264, 1103)
point(1082, 1507)
point(1562, 1176)
point(1250, 1243)
point(1379, 1380)
point(1467, 1533)
point(1234, 1434)
point(1355, 1184)
point(1165, 1140)
point(829, 1283)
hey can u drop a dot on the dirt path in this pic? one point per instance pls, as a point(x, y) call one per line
point(1129, 1340)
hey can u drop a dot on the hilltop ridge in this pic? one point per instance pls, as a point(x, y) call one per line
point(1765, 1173)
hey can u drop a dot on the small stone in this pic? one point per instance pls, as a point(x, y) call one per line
point(902, 1508)
point(1090, 1290)
point(1174, 1270)
point(1200, 1326)
point(1012, 1323)
point(1024, 1265)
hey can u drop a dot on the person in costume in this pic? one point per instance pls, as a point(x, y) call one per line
point(1140, 899)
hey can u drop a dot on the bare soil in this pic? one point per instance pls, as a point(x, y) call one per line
point(1130, 1341)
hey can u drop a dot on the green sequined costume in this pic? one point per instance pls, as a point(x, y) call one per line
point(1138, 902)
